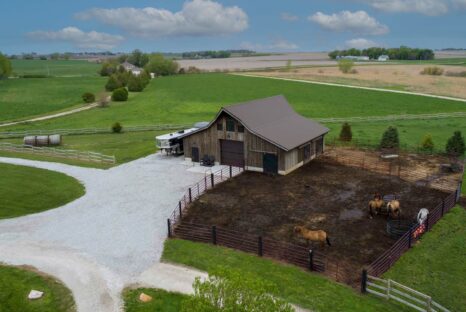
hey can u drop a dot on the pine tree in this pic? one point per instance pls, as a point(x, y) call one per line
point(346, 134)
point(427, 143)
point(455, 145)
point(390, 138)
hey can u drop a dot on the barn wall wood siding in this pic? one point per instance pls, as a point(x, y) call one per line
point(255, 149)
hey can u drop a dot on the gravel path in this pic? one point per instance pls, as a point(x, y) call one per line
point(104, 240)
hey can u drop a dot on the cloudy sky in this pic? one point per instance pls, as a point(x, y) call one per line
point(261, 25)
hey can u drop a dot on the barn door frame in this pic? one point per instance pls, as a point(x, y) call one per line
point(270, 163)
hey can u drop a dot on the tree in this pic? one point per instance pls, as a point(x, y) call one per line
point(55, 56)
point(390, 138)
point(145, 77)
point(345, 65)
point(120, 95)
point(108, 68)
point(88, 97)
point(346, 134)
point(117, 127)
point(138, 58)
point(427, 144)
point(113, 83)
point(227, 290)
point(161, 66)
point(455, 145)
point(135, 84)
point(5, 67)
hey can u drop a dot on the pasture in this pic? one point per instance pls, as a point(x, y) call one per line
point(319, 196)
point(17, 282)
point(55, 68)
point(30, 97)
point(26, 190)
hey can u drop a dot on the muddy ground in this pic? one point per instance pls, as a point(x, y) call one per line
point(320, 195)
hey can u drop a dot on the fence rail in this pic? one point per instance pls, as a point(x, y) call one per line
point(17, 134)
point(389, 289)
point(393, 117)
point(58, 152)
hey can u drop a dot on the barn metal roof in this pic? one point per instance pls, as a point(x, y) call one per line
point(274, 120)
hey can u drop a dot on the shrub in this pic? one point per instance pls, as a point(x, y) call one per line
point(390, 138)
point(345, 66)
point(346, 134)
point(456, 74)
point(161, 66)
point(427, 144)
point(117, 127)
point(5, 67)
point(145, 78)
point(135, 84)
point(433, 71)
point(88, 97)
point(227, 290)
point(113, 83)
point(455, 145)
point(120, 95)
point(193, 70)
point(34, 76)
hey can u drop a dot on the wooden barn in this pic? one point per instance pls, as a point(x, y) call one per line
point(264, 135)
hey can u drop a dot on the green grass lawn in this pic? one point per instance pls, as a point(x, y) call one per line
point(162, 301)
point(55, 68)
point(25, 190)
point(24, 98)
point(459, 61)
point(436, 265)
point(311, 291)
point(17, 282)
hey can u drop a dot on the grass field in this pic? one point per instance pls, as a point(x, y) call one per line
point(311, 291)
point(436, 265)
point(26, 190)
point(17, 282)
point(23, 98)
point(54, 68)
point(163, 301)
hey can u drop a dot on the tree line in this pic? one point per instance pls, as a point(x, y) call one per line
point(401, 53)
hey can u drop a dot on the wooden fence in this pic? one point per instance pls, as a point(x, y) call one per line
point(19, 134)
point(393, 117)
point(58, 152)
point(391, 290)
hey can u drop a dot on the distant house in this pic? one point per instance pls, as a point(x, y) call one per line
point(353, 58)
point(132, 68)
point(383, 58)
point(264, 135)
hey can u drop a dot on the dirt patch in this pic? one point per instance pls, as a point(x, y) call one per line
point(320, 195)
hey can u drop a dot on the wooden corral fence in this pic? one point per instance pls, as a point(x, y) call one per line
point(393, 117)
point(20, 134)
point(58, 152)
point(391, 290)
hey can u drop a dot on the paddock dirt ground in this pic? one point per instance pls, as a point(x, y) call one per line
point(403, 77)
point(320, 195)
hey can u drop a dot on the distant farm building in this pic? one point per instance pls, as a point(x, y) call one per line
point(264, 135)
point(132, 68)
point(354, 58)
point(383, 58)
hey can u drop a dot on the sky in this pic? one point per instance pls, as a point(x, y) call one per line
point(48, 26)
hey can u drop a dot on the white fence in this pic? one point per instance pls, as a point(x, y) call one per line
point(17, 134)
point(58, 152)
point(389, 289)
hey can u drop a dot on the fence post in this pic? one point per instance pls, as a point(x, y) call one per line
point(231, 172)
point(311, 260)
point(364, 281)
point(443, 206)
point(181, 211)
point(212, 179)
point(389, 284)
point(260, 245)
point(190, 196)
point(427, 222)
point(214, 235)
point(169, 228)
point(429, 304)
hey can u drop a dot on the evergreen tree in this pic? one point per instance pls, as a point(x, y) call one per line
point(455, 145)
point(113, 83)
point(346, 134)
point(135, 84)
point(427, 143)
point(390, 138)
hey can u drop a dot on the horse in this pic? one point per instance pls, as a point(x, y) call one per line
point(317, 236)
point(376, 205)
point(393, 208)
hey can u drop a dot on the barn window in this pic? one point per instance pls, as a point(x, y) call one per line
point(220, 126)
point(240, 128)
point(230, 124)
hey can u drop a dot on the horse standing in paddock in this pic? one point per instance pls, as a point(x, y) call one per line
point(393, 208)
point(316, 236)
point(376, 205)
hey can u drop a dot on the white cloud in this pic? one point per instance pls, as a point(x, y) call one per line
point(360, 43)
point(289, 17)
point(79, 38)
point(426, 7)
point(277, 45)
point(459, 4)
point(196, 18)
point(358, 22)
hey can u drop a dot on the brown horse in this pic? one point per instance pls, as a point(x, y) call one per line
point(316, 236)
point(393, 208)
point(376, 205)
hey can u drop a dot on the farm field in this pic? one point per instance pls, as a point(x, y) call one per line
point(435, 265)
point(317, 197)
point(311, 291)
point(390, 76)
point(30, 97)
point(17, 282)
point(26, 190)
point(163, 301)
point(55, 68)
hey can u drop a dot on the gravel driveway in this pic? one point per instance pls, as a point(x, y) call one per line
point(104, 240)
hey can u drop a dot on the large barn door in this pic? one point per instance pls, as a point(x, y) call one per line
point(195, 154)
point(232, 153)
point(270, 163)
